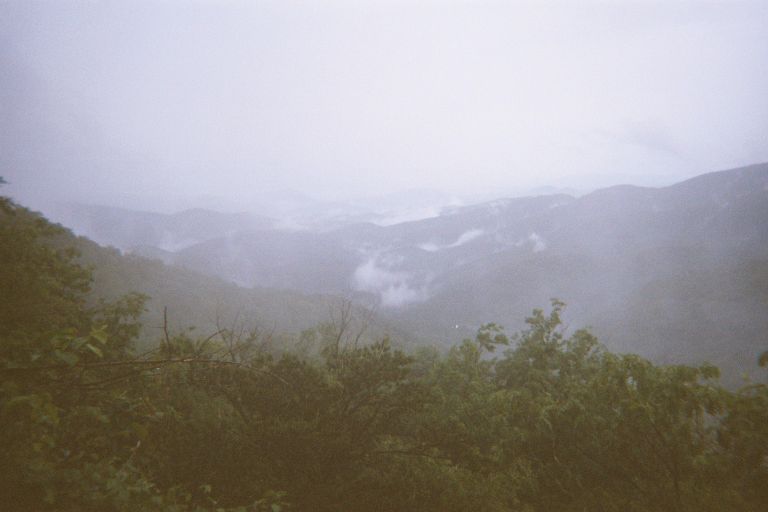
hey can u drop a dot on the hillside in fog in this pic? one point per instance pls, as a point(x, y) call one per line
point(383, 256)
point(676, 273)
point(136, 409)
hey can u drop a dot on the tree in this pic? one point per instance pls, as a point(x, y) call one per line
point(234, 422)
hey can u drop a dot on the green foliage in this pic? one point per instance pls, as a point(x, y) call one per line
point(42, 288)
point(234, 422)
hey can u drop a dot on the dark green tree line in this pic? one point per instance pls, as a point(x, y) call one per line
point(542, 420)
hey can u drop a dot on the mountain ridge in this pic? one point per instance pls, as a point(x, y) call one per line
point(622, 257)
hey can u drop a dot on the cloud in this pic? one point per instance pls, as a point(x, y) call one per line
point(392, 287)
point(646, 135)
point(146, 102)
point(464, 238)
point(538, 242)
point(408, 215)
point(535, 240)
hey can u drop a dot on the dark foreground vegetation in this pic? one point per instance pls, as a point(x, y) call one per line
point(538, 421)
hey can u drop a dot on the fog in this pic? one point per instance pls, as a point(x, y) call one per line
point(431, 255)
point(261, 105)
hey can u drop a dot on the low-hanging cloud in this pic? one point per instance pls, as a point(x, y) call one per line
point(393, 287)
point(464, 238)
point(535, 241)
point(538, 242)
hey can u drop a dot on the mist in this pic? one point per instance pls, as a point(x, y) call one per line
point(446, 163)
point(383, 255)
point(167, 105)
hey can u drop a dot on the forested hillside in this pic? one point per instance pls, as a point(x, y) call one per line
point(179, 299)
point(676, 274)
point(206, 303)
point(543, 420)
point(383, 256)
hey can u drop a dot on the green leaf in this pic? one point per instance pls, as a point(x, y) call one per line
point(95, 350)
point(100, 334)
point(67, 358)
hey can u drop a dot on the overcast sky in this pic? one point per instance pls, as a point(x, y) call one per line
point(124, 101)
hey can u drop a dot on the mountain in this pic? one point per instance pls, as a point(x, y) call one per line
point(674, 273)
point(677, 274)
point(182, 299)
point(149, 231)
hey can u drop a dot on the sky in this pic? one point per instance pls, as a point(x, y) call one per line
point(155, 104)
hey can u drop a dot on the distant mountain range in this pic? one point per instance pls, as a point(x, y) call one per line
point(678, 273)
point(205, 303)
point(159, 232)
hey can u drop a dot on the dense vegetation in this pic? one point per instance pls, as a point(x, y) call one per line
point(326, 422)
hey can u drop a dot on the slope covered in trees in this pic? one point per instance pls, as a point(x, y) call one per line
point(181, 298)
point(540, 421)
point(676, 274)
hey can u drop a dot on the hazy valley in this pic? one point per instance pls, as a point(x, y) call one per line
point(678, 274)
point(383, 256)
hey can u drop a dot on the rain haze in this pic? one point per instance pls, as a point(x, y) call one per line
point(383, 256)
point(166, 105)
